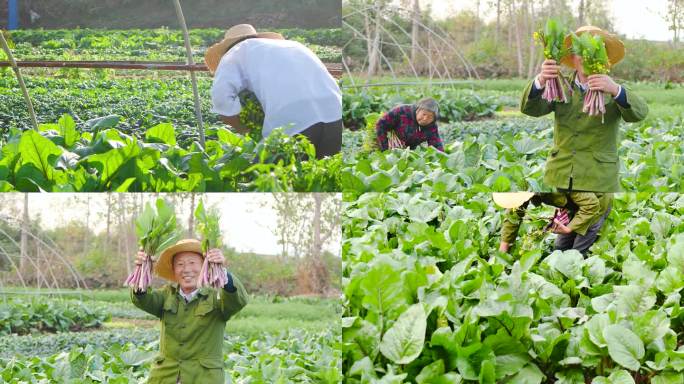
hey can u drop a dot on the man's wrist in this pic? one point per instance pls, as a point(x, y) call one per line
point(618, 89)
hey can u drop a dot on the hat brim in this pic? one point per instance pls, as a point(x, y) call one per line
point(164, 266)
point(213, 56)
point(511, 200)
point(614, 47)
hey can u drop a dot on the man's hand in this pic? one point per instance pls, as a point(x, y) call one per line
point(560, 228)
point(603, 83)
point(216, 256)
point(140, 257)
point(549, 70)
point(504, 247)
point(234, 122)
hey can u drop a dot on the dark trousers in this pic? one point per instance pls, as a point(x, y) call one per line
point(325, 137)
point(579, 242)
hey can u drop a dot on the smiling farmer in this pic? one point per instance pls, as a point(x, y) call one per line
point(293, 86)
point(192, 320)
point(585, 213)
point(584, 156)
point(409, 126)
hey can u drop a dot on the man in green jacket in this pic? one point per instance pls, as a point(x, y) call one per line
point(192, 320)
point(584, 156)
point(587, 210)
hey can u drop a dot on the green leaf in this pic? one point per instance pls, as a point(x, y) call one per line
point(136, 357)
point(40, 152)
point(101, 123)
point(111, 163)
point(487, 372)
point(403, 342)
point(162, 133)
point(528, 375)
point(430, 372)
point(624, 347)
point(67, 129)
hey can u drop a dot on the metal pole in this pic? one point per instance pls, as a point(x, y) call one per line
point(193, 77)
point(12, 14)
point(20, 79)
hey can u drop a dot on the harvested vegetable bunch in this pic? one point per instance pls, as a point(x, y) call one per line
point(552, 38)
point(592, 50)
point(211, 274)
point(252, 115)
point(156, 230)
point(561, 214)
point(393, 141)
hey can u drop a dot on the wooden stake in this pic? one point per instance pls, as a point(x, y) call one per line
point(193, 77)
point(20, 79)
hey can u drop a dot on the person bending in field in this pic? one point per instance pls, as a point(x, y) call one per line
point(293, 86)
point(409, 126)
point(584, 156)
point(192, 320)
point(585, 211)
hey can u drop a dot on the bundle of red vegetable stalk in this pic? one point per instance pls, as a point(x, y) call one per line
point(552, 38)
point(141, 277)
point(393, 141)
point(592, 49)
point(561, 214)
point(156, 231)
point(211, 274)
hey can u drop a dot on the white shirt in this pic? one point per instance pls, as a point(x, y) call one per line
point(188, 297)
point(291, 83)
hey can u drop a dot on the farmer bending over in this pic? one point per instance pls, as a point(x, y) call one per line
point(409, 126)
point(293, 86)
point(192, 319)
point(584, 156)
point(587, 212)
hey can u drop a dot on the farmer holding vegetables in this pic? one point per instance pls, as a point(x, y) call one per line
point(291, 83)
point(577, 221)
point(584, 156)
point(193, 319)
point(409, 126)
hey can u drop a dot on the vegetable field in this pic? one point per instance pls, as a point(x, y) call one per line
point(430, 299)
point(99, 130)
point(491, 146)
point(122, 348)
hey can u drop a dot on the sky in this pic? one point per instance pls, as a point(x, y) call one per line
point(247, 219)
point(631, 17)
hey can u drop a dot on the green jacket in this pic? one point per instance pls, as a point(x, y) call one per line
point(191, 333)
point(588, 207)
point(584, 147)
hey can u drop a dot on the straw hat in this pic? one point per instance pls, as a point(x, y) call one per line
point(164, 266)
point(511, 199)
point(233, 36)
point(614, 46)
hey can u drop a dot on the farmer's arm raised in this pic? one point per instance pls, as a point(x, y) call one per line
point(234, 296)
point(150, 301)
point(632, 107)
point(225, 90)
point(532, 104)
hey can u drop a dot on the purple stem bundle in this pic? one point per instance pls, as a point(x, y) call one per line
point(393, 141)
point(141, 277)
point(594, 104)
point(554, 91)
point(212, 275)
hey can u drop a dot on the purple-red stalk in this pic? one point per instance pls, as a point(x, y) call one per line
point(141, 277)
